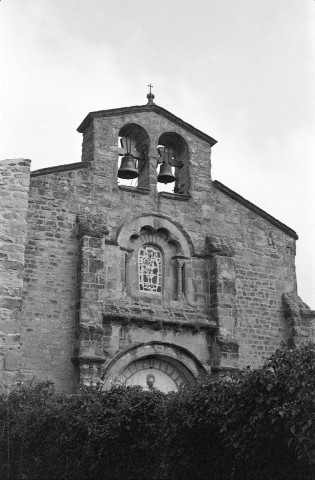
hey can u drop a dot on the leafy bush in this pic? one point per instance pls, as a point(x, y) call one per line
point(88, 435)
point(257, 424)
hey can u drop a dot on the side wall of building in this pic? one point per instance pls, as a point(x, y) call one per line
point(14, 182)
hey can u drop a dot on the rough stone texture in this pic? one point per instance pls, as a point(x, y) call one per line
point(301, 320)
point(14, 184)
point(226, 264)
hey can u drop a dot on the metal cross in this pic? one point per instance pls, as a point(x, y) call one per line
point(150, 86)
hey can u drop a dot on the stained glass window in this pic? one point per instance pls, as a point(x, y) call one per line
point(150, 269)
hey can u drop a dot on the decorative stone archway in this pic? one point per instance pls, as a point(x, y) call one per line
point(163, 366)
point(157, 371)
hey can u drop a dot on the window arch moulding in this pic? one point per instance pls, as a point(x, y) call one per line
point(167, 227)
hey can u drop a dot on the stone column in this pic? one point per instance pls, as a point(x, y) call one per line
point(128, 257)
point(152, 159)
point(88, 357)
point(223, 295)
point(179, 263)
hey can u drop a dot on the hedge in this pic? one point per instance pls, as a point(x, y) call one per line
point(256, 424)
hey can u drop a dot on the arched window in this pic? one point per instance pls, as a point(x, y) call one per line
point(150, 269)
point(155, 261)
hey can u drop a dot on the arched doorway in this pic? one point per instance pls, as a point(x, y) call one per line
point(159, 372)
point(156, 364)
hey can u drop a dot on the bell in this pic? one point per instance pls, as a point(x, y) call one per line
point(165, 175)
point(127, 169)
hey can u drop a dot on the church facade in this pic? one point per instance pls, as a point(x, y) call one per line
point(108, 280)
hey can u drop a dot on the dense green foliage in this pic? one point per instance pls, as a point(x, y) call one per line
point(257, 425)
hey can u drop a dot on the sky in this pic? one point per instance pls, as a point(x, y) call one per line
point(242, 71)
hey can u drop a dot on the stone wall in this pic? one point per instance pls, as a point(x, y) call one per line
point(14, 187)
point(49, 296)
point(262, 269)
point(300, 320)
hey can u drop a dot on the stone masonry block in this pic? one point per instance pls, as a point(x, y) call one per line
point(11, 361)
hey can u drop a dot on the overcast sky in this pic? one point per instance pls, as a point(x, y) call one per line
point(242, 71)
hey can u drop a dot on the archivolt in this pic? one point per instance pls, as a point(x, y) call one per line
point(151, 226)
point(180, 356)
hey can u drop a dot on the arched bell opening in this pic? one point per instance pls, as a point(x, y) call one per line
point(172, 165)
point(133, 148)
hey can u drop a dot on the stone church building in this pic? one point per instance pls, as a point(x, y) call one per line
point(133, 266)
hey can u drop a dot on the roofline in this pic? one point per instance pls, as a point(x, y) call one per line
point(60, 168)
point(235, 196)
point(145, 108)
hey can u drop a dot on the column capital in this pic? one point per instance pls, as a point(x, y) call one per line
point(91, 226)
point(219, 245)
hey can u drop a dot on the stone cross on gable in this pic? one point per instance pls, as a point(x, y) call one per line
point(123, 149)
